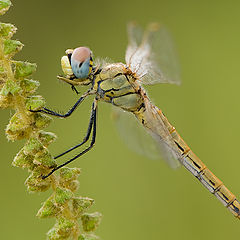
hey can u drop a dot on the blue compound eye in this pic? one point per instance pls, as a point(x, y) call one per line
point(80, 62)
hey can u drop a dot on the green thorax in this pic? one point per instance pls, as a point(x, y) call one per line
point(114, 84)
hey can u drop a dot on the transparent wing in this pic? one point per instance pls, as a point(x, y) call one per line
point(150, 54)
point(102, 61)
point(139, 140)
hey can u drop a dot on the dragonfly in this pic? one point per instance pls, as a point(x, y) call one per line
point(149, 60)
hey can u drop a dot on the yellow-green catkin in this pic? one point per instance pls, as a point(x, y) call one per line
point(18, 92)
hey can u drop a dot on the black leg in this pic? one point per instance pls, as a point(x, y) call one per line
point(74, 89)
point(50, 112)
point(84, 151)
point(93, 113)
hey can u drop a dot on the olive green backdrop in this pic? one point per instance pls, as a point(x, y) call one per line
point(139, 198)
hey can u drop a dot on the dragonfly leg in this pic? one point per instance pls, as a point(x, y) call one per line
point(50, 112)
point(90, 125)
point(74, 89)
point(85, 150)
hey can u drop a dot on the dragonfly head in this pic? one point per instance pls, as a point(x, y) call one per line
point(77, 63)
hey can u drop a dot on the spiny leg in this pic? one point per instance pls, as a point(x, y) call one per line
point(87, 135)
point(50, 112)
point(84, 151)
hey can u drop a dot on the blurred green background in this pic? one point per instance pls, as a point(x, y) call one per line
point(139, 198)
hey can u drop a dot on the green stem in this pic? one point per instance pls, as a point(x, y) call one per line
point(17, 92)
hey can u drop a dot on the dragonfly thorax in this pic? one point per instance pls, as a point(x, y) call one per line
point(114, 84)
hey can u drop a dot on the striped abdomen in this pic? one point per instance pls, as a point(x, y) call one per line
point(154, 120)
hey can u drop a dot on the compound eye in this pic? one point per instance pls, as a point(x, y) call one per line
point(80, 62)
point(80, 54)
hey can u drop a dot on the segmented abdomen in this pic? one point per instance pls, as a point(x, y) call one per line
point(154, 120)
